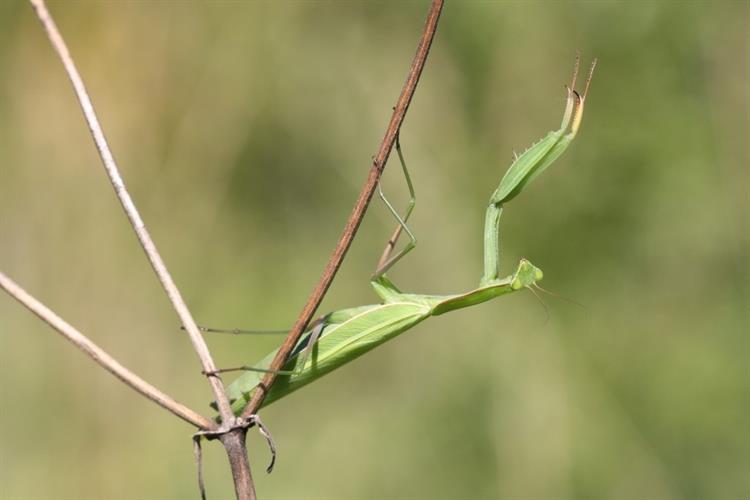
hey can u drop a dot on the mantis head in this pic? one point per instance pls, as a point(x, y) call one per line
point(526, 275)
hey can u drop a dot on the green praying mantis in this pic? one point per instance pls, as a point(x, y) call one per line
point(341, 336)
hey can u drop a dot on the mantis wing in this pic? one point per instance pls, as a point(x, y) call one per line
point(365, 328)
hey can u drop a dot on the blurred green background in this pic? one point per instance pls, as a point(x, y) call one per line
point(244, 131)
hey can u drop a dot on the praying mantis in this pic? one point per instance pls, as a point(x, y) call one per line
point(341, 336)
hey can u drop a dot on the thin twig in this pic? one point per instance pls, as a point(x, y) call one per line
point(100, 356)
point(199, 345)
point(352, 224)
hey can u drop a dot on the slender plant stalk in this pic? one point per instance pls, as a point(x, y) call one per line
point(108, 160)
point(352, 224)
point(237, 455)
point(100, 356)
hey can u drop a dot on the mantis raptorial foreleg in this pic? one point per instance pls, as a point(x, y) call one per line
point(528, 166)
point(386, 261)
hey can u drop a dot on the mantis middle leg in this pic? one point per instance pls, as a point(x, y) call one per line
point(386, 260)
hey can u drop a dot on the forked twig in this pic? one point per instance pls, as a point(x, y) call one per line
point(231, 436)
point(100, 356)
point(234, 435)
point(199, 345)
point(352, 224)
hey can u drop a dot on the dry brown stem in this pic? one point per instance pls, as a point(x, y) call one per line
point(358, 213)
point(108, 160)
point(100, 356)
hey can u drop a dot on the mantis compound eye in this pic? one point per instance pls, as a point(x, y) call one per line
point(538, 274)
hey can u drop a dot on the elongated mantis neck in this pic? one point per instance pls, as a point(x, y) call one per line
point(491, 243)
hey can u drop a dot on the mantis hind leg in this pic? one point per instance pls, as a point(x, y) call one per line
point(386, 259)
point(241, 331)
point(246, 368)
point(312, 341)
point(302, 352)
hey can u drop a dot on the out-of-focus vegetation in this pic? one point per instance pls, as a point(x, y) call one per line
point(244, 131)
